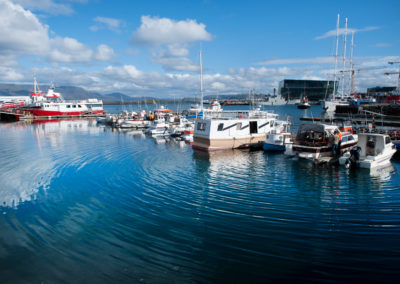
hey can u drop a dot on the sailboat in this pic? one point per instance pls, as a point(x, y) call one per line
point(330, 103)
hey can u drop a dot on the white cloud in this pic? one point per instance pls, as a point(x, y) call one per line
point(47, 6)
point(107, 23)
point(382, 44)
point(316, 60)
point(332, 33)
point(159, 31)
point(21, 32)
point(174, 58)
point(127, 72)
point(104, 53)
point(132, 52)
point(69, 50)
point(10, 75)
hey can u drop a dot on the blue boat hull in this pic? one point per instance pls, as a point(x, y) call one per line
point(272, 147)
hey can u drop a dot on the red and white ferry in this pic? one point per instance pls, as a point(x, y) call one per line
point(53, 104)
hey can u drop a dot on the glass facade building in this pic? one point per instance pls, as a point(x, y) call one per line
point(315, 90)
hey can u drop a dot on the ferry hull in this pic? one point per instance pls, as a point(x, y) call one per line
point(40, 112)
point(206, 144)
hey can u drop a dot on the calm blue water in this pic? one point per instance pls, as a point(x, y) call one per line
point(84, 204)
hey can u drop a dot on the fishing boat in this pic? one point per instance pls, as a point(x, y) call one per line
point(159, 127)
point(314, 140)
point(53, 104)
point(372, 150)
point(304, 104)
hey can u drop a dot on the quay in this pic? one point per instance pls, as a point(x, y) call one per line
point(384, 121)
point(382, 109)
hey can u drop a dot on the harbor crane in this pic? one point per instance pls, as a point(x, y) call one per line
point(352, 70)
point(391, 73)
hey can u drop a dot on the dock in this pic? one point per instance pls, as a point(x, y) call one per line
point(384, 121)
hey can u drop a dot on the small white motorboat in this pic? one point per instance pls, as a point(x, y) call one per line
point(279, 139)
point(372, 150)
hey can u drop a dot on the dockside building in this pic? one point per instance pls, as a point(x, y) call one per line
point(315, 90)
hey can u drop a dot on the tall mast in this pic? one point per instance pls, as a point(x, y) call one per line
point(336, 55)
point(201, 82)
point(351, 64)
point(344, 54)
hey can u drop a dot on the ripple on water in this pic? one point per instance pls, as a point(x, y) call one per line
point(118, 207)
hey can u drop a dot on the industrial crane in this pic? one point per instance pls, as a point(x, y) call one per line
point(390, 73)
point(358, 70)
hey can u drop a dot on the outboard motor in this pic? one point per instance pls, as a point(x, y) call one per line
point(355, 154)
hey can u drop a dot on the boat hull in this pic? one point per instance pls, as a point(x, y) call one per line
point(206, 144)
point(274, 147)
point(40, 112)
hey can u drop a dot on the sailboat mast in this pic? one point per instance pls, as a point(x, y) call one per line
point(336, 55)
point(201, 83)
point(344, 54)
point(351, 64)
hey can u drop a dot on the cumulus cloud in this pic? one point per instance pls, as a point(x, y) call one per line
point(160, 31)
point(174, 58)
point(104, 53)
point(21, 32)
point(69, 50)
point(10, 75)
point(106, 23)
point(332, 33)
point(47, 6)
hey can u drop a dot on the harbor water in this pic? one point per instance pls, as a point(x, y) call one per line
point(82, 203)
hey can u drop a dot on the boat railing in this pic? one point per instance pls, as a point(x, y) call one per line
point(248, 114)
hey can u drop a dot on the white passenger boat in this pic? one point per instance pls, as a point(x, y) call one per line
point(372, 150)
point(232, 129)
point(314, 140)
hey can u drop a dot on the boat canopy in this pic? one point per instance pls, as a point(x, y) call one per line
point(316, 128)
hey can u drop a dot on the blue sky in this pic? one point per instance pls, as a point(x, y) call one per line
point(152, 47)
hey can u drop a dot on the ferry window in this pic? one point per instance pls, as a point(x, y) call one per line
point(387, 140)
point(272, 123)
point(220, 127)
point(79, 106)
point(253, 127)
point(239, 126)
point(201, 126)
point(73, 106)
point(68, 106)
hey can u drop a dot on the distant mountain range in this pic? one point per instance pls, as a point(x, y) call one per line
point(73, 93)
